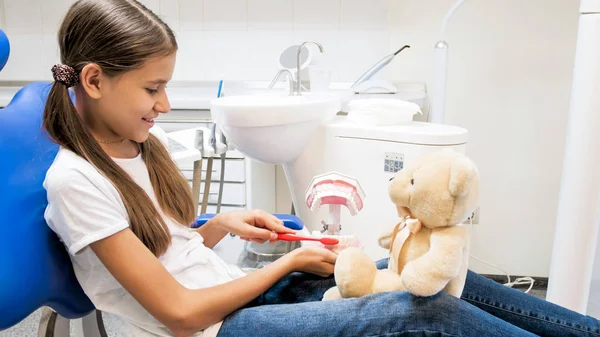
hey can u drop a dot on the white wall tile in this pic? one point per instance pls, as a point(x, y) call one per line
point(265, 46)
point(50, 53)
point(2, 14)
point(316, 14)
point(53, 12)
point(360, 50)
point(190, 14)
point(22, 16)
point(527, 89)
point(169, 13)
point(153, 5)
point(226, 54)
point(192, 60)
point(361, 14)
point(225, 15)
point(24, 62)
point(270, 14)
point(329, 39)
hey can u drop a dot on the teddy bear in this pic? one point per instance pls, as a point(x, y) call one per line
point(429, 247)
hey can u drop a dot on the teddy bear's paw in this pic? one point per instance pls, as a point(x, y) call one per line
point(354, 273)
point(421, 284)
point(385, 240)
point(386, 281)
point(332, 294)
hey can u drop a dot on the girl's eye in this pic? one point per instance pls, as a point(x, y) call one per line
point(151, 91)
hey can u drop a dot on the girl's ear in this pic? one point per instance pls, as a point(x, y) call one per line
point(91, 79)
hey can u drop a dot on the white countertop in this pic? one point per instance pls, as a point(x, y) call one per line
point(193, 95)
point(197, 95)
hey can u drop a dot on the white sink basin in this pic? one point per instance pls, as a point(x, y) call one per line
point(273, 128)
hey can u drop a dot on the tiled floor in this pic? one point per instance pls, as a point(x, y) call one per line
point(28, 327)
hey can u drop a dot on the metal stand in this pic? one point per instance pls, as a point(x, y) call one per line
point(93, 325)
point(54, 325)
point(196, 181)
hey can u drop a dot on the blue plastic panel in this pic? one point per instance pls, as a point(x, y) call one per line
point(289, 221)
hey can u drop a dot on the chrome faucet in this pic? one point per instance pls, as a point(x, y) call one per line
point(290, 78)
point(298, 81)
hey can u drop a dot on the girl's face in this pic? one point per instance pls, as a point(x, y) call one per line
point(126, 105)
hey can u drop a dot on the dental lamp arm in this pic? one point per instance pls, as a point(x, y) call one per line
point(377, 67)
point(440, 70)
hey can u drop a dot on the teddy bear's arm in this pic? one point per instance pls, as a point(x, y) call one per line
point(385, 240)
point(430, 273)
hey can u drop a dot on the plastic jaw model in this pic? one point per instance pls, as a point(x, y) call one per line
point(335, 190)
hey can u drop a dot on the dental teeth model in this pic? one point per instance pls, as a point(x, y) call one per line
point(336, 190)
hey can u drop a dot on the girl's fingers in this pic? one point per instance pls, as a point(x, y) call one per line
point(269, 221)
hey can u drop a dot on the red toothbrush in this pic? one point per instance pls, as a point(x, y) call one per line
point(290, 237)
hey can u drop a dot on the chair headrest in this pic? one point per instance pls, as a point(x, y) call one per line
point(35, 269)
point(4, 49)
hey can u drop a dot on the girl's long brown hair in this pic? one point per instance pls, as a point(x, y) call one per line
point(119, 35)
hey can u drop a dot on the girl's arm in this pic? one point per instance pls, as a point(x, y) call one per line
point(185, 311)
point(212, 233)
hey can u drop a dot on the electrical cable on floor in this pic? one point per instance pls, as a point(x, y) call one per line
point(510, 283)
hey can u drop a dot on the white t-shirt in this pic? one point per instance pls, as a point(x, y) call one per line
point(84, 207)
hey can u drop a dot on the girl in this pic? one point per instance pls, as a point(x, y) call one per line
point(122, 209)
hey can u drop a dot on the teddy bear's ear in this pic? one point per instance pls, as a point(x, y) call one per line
point(463, 174)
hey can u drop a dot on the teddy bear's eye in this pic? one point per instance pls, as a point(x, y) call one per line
point(392, 178)
point(412, 181)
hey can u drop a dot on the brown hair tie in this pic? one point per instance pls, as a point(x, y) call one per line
point(65, 74)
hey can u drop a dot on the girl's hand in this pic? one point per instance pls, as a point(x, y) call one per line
point(256, 225)
point(314, 260)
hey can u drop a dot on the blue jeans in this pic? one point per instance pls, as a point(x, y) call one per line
point(293, 307)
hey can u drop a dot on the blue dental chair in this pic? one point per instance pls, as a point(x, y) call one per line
point(35, 269)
